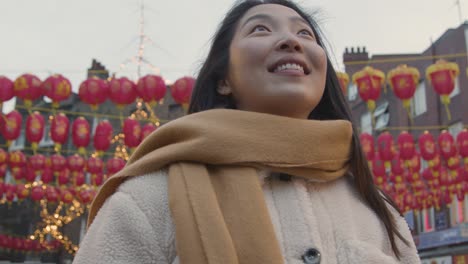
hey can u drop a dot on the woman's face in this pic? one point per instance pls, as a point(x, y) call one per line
point(276, 65)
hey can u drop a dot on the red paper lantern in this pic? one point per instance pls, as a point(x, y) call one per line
point(427, 146)
point(378, 169)
point(406, 145)
point(122, 91)
point(403, 81)
point(151, 88)
point(63, 177)
point(19, 173)
point(447, 147)
point(6, 90)
point(147, 130)
point(103, 136)
point(114, 165)
point(29, 174)
point(81, 134)
point(28, 88)
point(59, 130)
point(37, 162)
point(37, 193)
point(367, 142)
point(415, 167)
point(369, 82)
point(388, 189)
point(10, 192)
point(386, 147)
point(47, 176)
point(85, 196)
point(94, 92)
point(52, 194)
point(35, 129)
point(22, 192)
point(462, 143)
point(17, 159)
point(3, 157)
point(3, 170)
point(97, 179)
point(76, 163)
point(79, 178)
point(409, 202)
point(397, 169)
point(442, 75)
point(59, 162)
point(66, 196)
point(181, 90)
point(132, 132)
point(57, 88)
point(10, 126)
point(343, 78)
point(95, 165)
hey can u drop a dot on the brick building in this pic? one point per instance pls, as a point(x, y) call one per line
point(447, 238)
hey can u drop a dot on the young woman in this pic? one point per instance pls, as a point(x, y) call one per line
point(266, 168)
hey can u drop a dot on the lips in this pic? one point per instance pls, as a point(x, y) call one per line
point(289, 64)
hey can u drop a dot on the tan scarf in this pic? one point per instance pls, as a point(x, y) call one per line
point(215, 196)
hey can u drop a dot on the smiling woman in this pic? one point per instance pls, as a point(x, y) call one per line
point(266, 168)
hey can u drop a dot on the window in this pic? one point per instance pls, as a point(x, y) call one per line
point(352, 92)
point(366, 123)
point(418, 103)
point(455, 128)
point(456, 90)
point(96, 121)
point(46, 141)
point(18, 144)
point(381, 115)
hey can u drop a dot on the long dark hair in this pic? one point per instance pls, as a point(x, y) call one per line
point(332, 106)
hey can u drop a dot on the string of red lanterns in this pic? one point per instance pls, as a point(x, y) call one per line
point(403, 80)
point(397, 168)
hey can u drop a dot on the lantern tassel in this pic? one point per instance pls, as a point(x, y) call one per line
point(449, 116)
point(409, 115)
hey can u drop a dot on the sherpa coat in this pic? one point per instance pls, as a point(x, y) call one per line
point(135, 226)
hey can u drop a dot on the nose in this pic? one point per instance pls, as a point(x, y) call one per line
point(289, 44)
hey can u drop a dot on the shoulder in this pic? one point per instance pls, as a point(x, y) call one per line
point(147, 189)
point(133, 223)
point(150, 194)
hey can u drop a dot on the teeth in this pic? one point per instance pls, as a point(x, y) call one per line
point(289, 66)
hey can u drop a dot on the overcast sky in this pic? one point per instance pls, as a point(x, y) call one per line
point(62, 36)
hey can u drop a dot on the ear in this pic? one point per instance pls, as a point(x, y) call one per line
point(224, 88)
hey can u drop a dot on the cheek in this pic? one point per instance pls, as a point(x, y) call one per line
point(247, 54)
point(319, 58)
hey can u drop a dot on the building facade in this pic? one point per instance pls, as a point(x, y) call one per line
point(446, 235)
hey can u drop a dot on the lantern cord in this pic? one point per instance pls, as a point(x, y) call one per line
point(415, 58)
point(94, 114)
point(121, 118)
point(50, 150)
point(416, 128)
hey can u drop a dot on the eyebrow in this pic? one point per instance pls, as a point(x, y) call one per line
point(268, 17)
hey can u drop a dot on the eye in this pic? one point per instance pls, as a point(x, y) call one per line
point(260, 28)
point(305, 32)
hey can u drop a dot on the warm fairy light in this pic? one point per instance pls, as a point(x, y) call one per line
point(52, 222)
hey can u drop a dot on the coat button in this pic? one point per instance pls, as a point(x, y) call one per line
point(311, 256)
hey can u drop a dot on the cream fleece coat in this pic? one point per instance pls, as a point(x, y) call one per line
point(135, 226)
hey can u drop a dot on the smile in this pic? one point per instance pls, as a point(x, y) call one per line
point(289, 67)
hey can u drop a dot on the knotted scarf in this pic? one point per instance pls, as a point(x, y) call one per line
point(215, 195)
